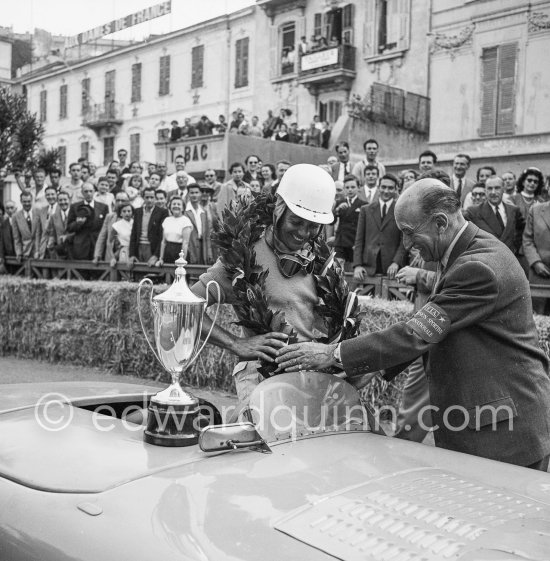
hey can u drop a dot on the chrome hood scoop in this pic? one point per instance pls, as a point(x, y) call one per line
point(423, 515)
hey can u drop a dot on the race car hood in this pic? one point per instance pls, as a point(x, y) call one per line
point(347, 496)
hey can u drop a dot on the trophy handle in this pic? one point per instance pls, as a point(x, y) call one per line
point(213, 321)
point(141, 284)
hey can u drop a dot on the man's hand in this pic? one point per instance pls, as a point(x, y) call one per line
point(260, 347)
point(152, 261)
point(541, 269)
point(306, 356)
point(392, 270)
point(341, 206)
point(95, 260)
point(80, 219)
point(359, 273)
point(112, 263)
point(407, 275)
point(19, 258)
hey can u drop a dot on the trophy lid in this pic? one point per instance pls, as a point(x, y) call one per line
point(179, 292)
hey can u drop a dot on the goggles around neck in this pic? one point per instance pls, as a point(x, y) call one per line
point(291, 264)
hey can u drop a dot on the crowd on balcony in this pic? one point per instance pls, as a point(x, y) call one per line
point(134, 212)
point(281, 127)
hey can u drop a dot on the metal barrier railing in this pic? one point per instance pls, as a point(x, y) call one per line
point(378, 286)
point(88, 270)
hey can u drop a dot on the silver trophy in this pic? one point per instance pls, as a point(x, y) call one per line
point(177, 316)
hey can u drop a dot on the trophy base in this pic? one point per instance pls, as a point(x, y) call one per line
point(172, 424)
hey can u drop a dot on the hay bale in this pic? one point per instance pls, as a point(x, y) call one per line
point(97, 324)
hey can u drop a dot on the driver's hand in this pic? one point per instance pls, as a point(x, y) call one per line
point(407, 275)
point(306, 356)
point(260, 347)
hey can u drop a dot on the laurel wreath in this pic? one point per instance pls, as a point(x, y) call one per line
point(244, 223)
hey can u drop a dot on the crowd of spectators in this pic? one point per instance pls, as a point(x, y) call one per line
point(135, 213)
point(281, 127)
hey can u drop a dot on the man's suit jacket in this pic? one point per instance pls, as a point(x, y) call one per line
point(483, 216)
point(347, 224)
point(41, 234)
point(374, 236)
point(154, 230)
point(56, 228)
point(85, 235)
point(335, 170)
point(489, 355)
point(536, 236)
point(7, 237)
point(467, 186)
point(199, 248)
point(24, 239)
point(104, 244)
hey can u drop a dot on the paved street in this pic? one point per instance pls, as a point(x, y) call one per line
point(15, 370)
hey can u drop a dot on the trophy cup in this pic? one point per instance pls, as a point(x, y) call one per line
point(177, 315)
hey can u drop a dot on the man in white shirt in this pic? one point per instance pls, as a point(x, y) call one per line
point(371, 148)
point(74, 187)
point(462, 185)
point(343, 167)
point(199, 243)
point(369, 193)
point(170, 181)
point(44, 215)
point(502, 220)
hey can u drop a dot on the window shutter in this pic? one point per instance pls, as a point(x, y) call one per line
point(507, 80)
point(348, 17)
point(197, 61)
point(85, 95)
point(275, 48)
point(489, 59)
point(164, 78)
point(245, 63)
point(63, 101)
point(317, 24)
point(404, 15)
point(136, 82)
point(369, 42)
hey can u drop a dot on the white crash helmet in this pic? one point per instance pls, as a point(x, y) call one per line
point(309, 192)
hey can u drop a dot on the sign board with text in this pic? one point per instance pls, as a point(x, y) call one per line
point(320, 59)
point(121, 23)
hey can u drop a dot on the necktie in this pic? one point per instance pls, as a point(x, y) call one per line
point(500, 221)
point(459, 188)
point(384, 211)
point(64, 216)
point(29, 221)
point(349, 201)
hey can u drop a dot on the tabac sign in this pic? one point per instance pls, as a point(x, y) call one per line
point(121, 23)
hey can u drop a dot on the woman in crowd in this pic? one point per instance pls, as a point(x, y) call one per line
point(269, 175)
point(122, 229)
point(529, 188)
point(176, 231)
point(407, 178)
point(282, 133)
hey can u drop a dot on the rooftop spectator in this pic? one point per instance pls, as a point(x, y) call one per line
point(175, 131)
point(205, 126)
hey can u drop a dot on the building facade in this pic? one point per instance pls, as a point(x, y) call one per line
point(489, 82)
point(310, 57)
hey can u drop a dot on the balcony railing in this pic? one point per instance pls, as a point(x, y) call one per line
point(103, 115)
point(328, 60)
point(324, 66)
